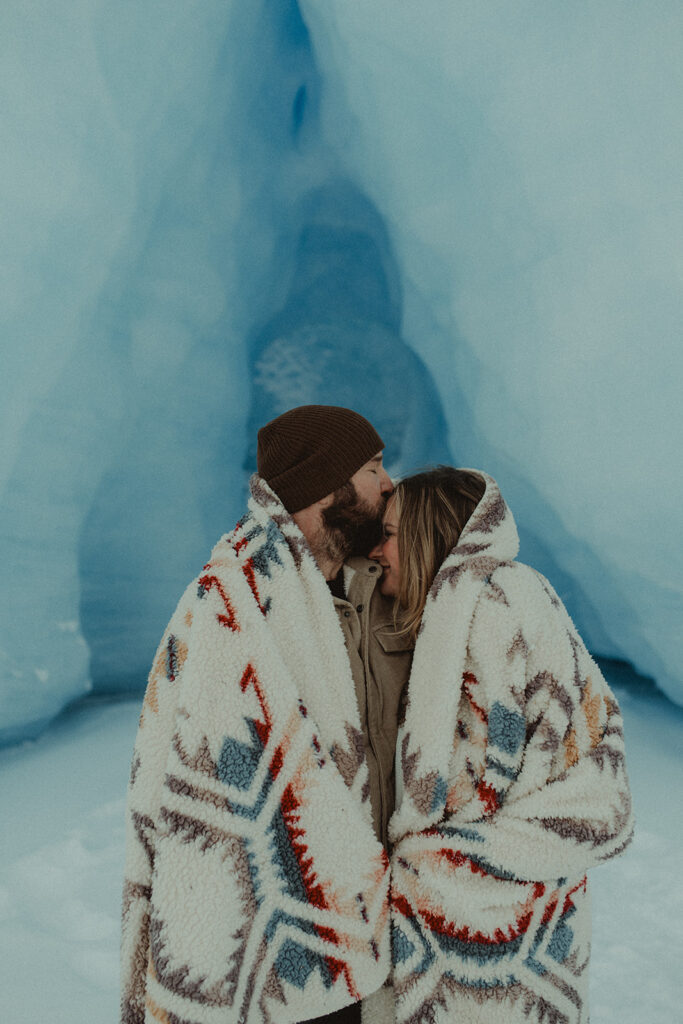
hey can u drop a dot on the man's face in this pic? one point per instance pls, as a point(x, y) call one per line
point(352, 523)
point(373, 484)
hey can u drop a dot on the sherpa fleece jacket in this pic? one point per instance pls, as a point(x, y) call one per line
point(256, 890)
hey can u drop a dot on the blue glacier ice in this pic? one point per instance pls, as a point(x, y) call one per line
point(526, 160)
point(462, 220)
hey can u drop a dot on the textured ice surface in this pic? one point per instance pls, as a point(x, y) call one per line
point(458, 218)
point(179, 233)
point(118, 411)
point(526, 159)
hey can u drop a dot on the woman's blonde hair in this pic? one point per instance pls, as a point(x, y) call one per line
point(432, 509)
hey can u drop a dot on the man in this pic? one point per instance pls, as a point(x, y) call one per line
point(262, 780)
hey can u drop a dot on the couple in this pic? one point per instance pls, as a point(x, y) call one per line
point(367, 789)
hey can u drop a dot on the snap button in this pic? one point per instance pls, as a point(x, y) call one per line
point(359, 608)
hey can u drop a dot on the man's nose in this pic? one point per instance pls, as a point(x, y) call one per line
point(385, 484)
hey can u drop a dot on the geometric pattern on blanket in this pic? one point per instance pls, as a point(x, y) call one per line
point(527, 958)
point(256, 891)
point(255, 887)
point(518, 791)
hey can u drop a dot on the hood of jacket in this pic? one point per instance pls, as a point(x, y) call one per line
point(489, 533)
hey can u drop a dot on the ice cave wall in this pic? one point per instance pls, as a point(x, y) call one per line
point(460, 219)
point(526, 160)
point(188, 263)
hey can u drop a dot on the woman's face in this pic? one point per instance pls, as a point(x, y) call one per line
point(386, 552)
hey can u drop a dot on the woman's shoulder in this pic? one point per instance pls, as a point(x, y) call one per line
point(515, 575)
point(527, 594)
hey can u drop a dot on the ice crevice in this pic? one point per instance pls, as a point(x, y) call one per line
point(219, 211)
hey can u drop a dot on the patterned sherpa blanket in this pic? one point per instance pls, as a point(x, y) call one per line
point(512, 784)
point(255, 888)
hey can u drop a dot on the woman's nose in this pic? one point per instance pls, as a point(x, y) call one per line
point(376, 552)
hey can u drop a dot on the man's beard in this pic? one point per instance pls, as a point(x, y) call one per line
point(350, 526)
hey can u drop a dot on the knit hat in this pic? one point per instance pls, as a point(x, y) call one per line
point(312, 450)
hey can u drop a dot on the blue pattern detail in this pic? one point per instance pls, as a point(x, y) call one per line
point(559, 946)
point(466, 833)
point(251, 812)
point(287, 865)
point(493, 869)
point(440, 794)
point(238, 762)
point(481, 952)
point(502, 769)
point(267, 554)
point(282, 917)
point(533, 964)
point(429, 956)
point(507, 729)
point(486, 984)
point(401, 945)
point(253, 873)
point(171, 658)
point(560, 943)
point(295, 964)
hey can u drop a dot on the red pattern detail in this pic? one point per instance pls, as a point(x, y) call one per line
point(248, 570)
point(263, 729)
point(469, 679)
point(242, 542)
point(549, 911)
point(327, 933)
point(230, 619)
point(568, 901)
point(314, 891)
point(488, 797)
point(275, 765)
point(459, 860)
point(337, 967)
point(438, 923)
point(401, 904)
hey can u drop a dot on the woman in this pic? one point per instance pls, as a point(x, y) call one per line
point(510, 770)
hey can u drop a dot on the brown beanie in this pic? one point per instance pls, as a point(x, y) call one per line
point(312, 450)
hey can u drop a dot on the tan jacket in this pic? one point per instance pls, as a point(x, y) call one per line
point(380, 663)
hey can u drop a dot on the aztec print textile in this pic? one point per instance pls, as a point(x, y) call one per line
point(256, 890)
point(511, 784)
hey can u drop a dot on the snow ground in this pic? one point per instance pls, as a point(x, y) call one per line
point(61, 861)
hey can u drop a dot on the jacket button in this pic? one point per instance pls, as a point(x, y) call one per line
point(372, 568)
point(359, 608)
point(347, 615)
